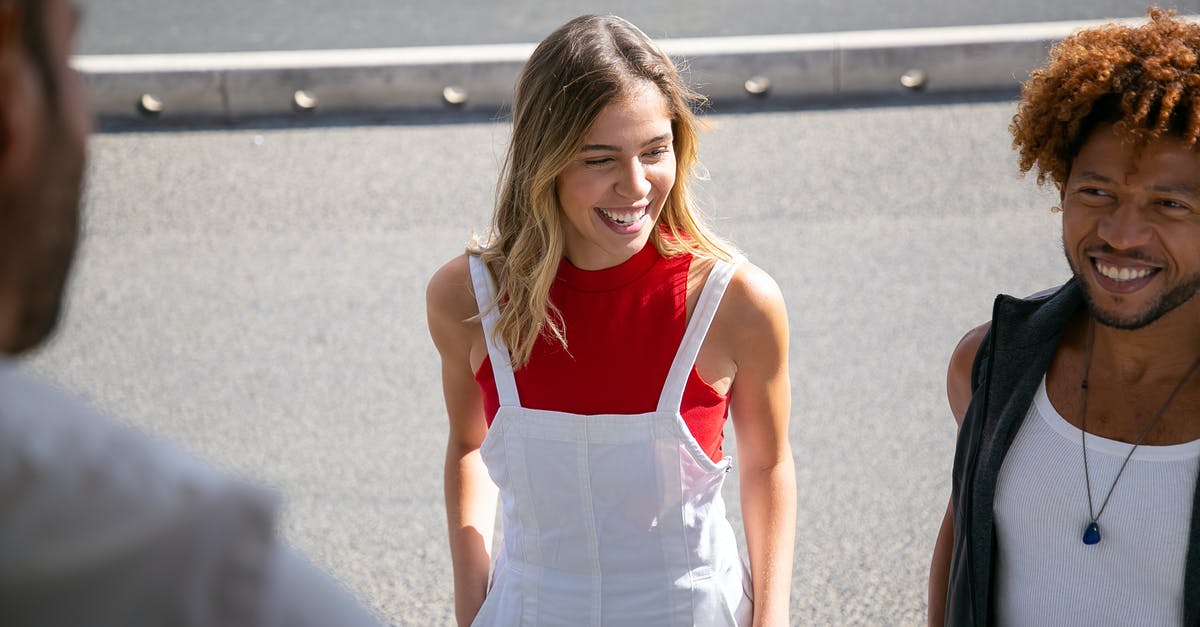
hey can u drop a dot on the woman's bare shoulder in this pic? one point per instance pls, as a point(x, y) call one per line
point(753, 295)
point(450, 295)
point(752, 317)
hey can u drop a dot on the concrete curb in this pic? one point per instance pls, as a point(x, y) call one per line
point(822, 67)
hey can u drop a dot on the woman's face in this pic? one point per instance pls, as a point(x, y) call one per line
point(613, 191)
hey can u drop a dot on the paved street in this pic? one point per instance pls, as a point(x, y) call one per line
point(256, 294)
point(257, 297)
point(145, 26)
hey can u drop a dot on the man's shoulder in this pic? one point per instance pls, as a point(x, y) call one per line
point(965, 360)
point(1029, 323)
point(1066, 291)
point(1045, 294)
point(972, 340)
point(55, 437)
point(90, 508)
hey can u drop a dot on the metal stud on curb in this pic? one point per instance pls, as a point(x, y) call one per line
point(757, 86)
point(914, 79)
point(150, 105)
point(454, 95)
point(304, 101)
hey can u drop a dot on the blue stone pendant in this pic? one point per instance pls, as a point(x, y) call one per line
point(1091, 535)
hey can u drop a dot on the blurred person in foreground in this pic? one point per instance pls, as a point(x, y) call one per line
point(99, 525)
point(1075, 476)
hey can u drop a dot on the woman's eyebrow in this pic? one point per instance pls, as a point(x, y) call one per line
point(611, 148)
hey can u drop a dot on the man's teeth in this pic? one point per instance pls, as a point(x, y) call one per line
point(623, 218)
point(1122, 274)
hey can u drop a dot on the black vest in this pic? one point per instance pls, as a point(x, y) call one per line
point(1008, 368)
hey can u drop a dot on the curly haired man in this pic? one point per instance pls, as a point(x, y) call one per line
point(1075, 475)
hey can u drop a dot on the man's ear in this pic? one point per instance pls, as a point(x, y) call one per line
point(20, 95)
point(10, 25)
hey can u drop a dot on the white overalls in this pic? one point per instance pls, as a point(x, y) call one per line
point(610, 520)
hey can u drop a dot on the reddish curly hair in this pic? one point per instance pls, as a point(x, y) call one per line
point(1143, 80)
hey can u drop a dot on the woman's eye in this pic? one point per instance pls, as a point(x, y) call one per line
point(597, 162)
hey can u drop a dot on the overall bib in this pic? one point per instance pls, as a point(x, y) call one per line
point(611, 520)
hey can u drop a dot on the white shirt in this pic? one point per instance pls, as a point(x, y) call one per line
point(1045, 574)
point(102, 526)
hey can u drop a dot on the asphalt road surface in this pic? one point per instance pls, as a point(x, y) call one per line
point(257, 296)
point(161, 26)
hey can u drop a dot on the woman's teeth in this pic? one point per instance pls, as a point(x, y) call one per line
point(624, 218)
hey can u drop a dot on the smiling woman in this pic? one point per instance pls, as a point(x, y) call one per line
point(591, 351)
point(613, 193)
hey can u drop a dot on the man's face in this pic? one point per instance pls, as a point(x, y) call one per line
point(1131, 228)
point(43, 171)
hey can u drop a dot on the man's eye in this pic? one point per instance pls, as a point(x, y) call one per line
point(1094, 194)
point(1174, 206)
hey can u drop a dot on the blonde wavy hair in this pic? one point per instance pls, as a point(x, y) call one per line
point(571, 77)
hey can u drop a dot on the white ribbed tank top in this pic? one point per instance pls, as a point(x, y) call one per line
point(1045, 574)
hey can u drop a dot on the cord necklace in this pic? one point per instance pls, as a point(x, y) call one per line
point(1091, 534)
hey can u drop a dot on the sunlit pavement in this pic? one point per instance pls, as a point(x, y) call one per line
point(257, 296)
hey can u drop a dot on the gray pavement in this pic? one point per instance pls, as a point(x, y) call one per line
point(257, 296)
point(170, 26)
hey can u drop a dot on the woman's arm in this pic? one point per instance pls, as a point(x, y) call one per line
point(958, 392)
point(760, 402)
point(470, 493)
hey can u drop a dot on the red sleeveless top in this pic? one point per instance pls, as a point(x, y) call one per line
point(623, 327)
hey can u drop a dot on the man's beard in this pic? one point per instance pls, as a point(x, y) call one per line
point(1175, 296)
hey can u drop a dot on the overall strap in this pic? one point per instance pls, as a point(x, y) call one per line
point(485, 296)
point(693, 337)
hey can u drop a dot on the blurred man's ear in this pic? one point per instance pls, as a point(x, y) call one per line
point(10, 25)
point(19, 95)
